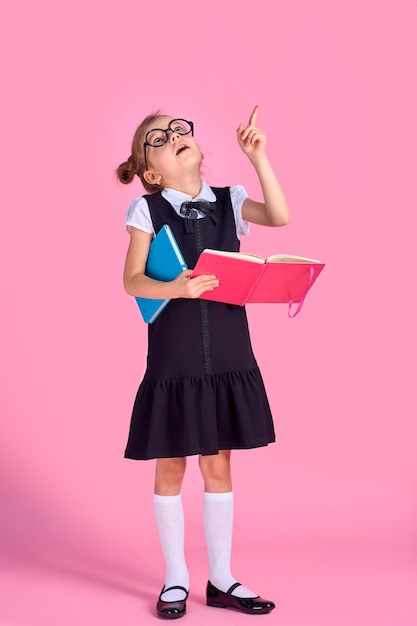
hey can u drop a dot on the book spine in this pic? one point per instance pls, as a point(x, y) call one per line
point(158, 311)
point(255, 283)
point(176, 248)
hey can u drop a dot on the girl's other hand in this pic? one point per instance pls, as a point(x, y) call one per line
point(186, 287)
point(252, 140)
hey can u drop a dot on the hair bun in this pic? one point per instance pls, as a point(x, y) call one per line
point(126, 171)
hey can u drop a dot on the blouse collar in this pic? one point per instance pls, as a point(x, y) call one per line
point(176, 198)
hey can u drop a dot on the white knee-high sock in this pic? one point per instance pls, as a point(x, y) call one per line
point(170, 521)
point(218, 527)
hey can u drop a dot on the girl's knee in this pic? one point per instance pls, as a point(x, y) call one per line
point(216, 468)
point(169, 475)
point(171, 467)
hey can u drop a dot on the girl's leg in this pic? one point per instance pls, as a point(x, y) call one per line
point(218, 520)
point(170, 521)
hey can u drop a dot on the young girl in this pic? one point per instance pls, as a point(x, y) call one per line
point(202, 392)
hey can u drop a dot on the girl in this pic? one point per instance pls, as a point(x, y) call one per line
point(202, 392)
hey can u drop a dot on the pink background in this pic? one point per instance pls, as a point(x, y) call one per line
point(326, 518)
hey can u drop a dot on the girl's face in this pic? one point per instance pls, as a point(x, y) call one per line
point(177, 157)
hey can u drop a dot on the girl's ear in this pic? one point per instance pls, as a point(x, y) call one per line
point(152, 177)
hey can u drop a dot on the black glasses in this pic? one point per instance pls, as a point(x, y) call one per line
point(158, 137)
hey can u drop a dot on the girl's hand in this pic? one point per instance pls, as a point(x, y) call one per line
point(252, 140)
point(186, 287)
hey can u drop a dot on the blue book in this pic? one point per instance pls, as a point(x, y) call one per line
point(165, 262)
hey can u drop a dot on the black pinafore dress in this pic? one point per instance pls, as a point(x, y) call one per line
point(202, 391)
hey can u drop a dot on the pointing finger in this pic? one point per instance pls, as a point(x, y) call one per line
point(254, 115)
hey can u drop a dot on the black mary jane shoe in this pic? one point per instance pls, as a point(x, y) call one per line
point(171, 610)
point(225, 600)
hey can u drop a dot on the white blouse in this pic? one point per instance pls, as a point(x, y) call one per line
point(138, 214)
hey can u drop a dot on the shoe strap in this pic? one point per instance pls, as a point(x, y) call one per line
point(175, 587)
point(232, 588)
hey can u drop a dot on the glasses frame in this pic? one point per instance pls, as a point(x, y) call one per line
point(166, 130)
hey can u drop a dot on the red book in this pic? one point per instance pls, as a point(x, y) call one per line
point(246, 278)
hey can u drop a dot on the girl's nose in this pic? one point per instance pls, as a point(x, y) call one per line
point(174, 136)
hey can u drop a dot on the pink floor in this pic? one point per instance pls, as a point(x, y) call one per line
point(313, 585)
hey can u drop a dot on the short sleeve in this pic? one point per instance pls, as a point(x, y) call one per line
point(138, 215)
point(238, 195)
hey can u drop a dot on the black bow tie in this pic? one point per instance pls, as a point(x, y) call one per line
point(189, 209)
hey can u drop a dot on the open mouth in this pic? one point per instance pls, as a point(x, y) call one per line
point(181, 148)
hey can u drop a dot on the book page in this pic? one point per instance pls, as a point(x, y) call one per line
point(254, 258)
point(289, 258)
point(244, 256)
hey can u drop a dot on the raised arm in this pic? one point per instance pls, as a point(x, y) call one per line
point(274, 210)
point(136, 283)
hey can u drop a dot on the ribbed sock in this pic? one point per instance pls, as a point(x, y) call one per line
point(218, 527)
point(170, 521)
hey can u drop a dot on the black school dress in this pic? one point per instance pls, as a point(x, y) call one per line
point(202, 391)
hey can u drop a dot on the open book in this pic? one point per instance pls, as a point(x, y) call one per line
point(246, 278)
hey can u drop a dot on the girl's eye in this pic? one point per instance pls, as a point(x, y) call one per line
point(157, 138)
point(178, 128)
